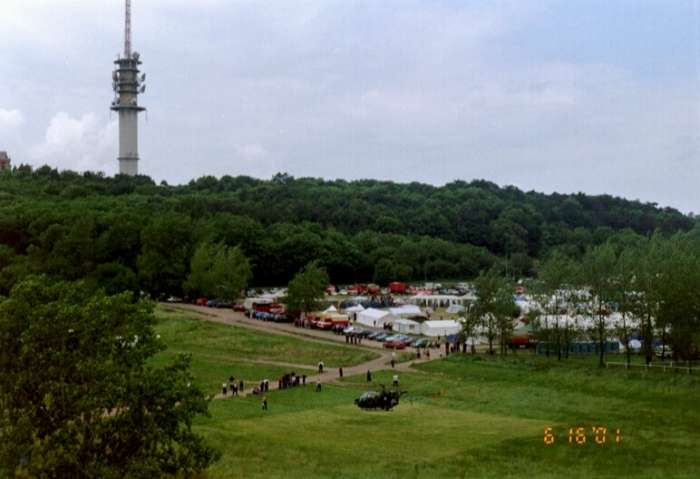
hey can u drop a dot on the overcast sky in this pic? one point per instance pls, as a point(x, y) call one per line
point(570, 95)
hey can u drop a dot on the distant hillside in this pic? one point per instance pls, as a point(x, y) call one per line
point(361, 230)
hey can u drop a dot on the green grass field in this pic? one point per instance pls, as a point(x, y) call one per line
point(465, 417)
point(219, 351)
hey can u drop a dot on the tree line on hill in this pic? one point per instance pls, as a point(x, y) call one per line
point(651, 284)
point(130, 233)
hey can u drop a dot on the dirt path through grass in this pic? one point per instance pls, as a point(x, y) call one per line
point(224, 316)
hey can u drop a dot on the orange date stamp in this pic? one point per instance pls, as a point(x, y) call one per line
point(581, 435)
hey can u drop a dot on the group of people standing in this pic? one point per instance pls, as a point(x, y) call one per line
point(232, 386)
point(290, 380)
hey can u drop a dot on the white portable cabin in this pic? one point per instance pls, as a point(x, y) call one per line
point(406, 326)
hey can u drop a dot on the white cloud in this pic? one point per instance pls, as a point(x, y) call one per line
point(77, 143)
point(10, 119)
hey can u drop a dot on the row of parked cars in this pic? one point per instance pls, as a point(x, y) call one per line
point(391, 340)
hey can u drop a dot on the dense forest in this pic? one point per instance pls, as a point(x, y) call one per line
point(131, 233)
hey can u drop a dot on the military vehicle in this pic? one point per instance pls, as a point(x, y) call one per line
point(379, 399)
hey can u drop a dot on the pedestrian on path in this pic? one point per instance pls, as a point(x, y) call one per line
point(240, 386)
point(320, 367)
point(369, 376)
point(264, 403)
point(223, 389)
point(340, 372)
point(303, 379)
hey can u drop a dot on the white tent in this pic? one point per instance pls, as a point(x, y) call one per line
point(440, 328)
point(439, 300)
point(375, 318)
point(354, 309)
point(331, 309)
point(455, 309)
point(406, 326)
point(407, 311)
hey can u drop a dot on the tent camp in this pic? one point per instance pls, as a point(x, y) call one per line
point(407, 311)
point(455, 309)
point(331, 309)
point(440, 328)
point(375, 318)
point(406, 326)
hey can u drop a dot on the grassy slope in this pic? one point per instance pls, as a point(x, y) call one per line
point(461, 418)
point(219, 351)
point(466, 418)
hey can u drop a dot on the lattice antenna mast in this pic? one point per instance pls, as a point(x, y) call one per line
point(127, 30)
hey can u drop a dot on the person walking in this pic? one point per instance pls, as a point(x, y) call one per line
point(320, 367)
point(264, 403)
point(340, 372)
point(395, 380)
point(240, 386)
point(303, 379)
point(318, 385)
point(369, 376)
point(232, 385)
point(223, 389)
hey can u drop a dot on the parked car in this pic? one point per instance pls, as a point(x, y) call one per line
point(381, 337)
point(420, 343)
point(373, 335)
point(213, 303)
point(239, 308)
point(173, 299)
point(395, 344)
point(201, 301)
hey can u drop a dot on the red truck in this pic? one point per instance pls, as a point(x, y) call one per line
point(397, 287)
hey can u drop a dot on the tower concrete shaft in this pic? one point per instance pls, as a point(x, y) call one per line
point(127, 84)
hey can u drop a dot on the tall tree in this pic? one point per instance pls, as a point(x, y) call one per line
point(555, 293)
point(218, 271)
point(78, 396)
point(306, 289)
point(597, 275)
point(494, 305)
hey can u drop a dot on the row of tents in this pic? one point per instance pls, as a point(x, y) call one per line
point(400, 320)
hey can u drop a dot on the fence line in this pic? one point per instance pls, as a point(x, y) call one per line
point(649, 366)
